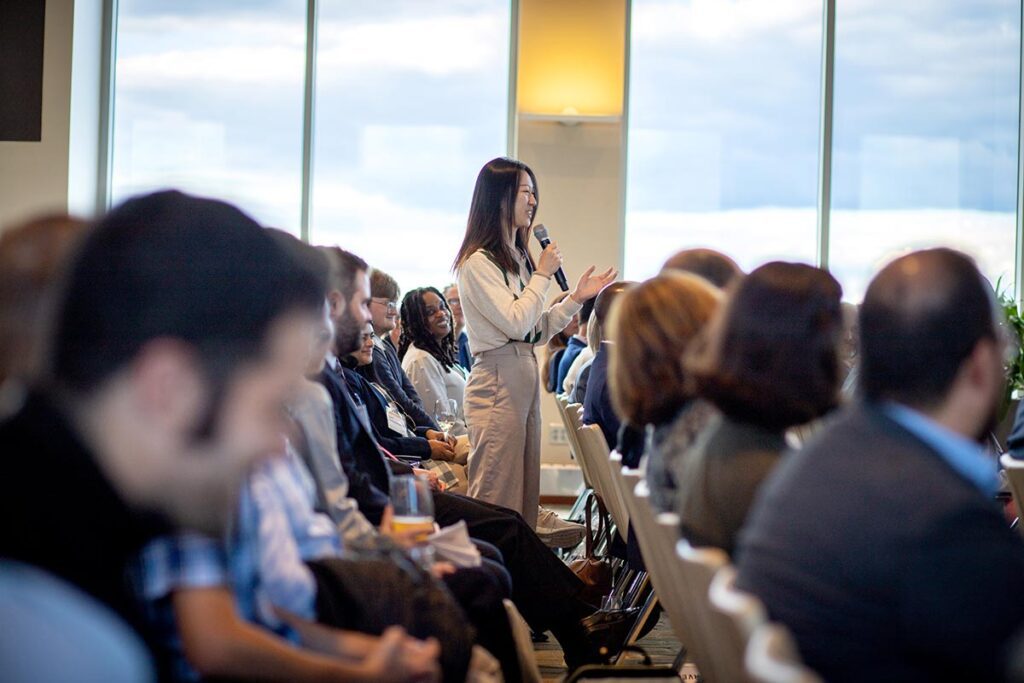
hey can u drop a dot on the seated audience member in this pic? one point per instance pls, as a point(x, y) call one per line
point(386, 365)
point(428, 353)
point(652, 324)
point(579, 374)
point(427, 350)
point(556, 347)
point(543, 588)
point(713, 266)
point(157, 402)
point(218, 604)
point(32, 256)
point(479, 591)
point(576, 345)
point(451, 295)
point(768, 361)
point(880, 544)
point(391, 428)
point(597, 403)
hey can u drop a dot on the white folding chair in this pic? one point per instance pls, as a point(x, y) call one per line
point(743, 611)
point(772, 657)
point(717, 634)
point(598, 457)
point(524, 644)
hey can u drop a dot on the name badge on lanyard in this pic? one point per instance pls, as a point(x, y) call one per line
point(396, 420)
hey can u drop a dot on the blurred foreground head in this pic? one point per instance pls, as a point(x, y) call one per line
point(182, 328)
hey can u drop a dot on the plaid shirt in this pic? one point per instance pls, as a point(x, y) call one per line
point(262, 560)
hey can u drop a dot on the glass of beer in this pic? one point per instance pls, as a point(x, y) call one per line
point(413, 505)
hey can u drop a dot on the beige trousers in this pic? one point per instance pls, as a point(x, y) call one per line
point(502, 407)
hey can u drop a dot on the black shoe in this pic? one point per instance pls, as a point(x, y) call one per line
point(597, 638)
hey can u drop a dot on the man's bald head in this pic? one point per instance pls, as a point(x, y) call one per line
point(713, 266)
point(922, 316)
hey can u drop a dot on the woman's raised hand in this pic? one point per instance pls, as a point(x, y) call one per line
point(550, 260)
point(590, 284)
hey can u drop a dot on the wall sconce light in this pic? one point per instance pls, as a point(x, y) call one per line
point(571, 66)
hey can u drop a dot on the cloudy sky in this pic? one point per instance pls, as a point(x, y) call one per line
point(723, 139)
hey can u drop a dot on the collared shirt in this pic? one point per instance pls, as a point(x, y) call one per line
point(262, 561)
point(965, 456)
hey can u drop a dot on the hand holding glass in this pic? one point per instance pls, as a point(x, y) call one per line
point(413, 504)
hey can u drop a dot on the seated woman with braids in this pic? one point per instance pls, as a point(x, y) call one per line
point(429, 356)
point(395, 431)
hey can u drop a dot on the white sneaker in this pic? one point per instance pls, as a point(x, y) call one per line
point(555, 532)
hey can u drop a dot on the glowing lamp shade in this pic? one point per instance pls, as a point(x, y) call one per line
point(571, 57)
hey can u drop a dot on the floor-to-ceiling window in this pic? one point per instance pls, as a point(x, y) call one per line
point(723, 130)
point(725, 104)
point(412, 99)
point(925, 137)
point(208, 99)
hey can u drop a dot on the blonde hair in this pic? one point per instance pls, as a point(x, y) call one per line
point(651, 325)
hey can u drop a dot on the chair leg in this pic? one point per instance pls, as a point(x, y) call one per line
point(634, 631)
point(680, 661)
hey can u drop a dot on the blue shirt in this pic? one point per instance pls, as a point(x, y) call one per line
point(572, 351)
point(54, 632)
point(965, 456)
point(262, 561)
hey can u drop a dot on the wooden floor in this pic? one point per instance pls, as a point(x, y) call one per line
point(660, 644)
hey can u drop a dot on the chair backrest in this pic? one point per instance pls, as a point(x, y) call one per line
point(717, 635)
point(772, 657)
point(615, 483)
point(656, 543)
point(573, 423)
point(1014, 469)
point(599, 459)
point(744, 611)
point(570, 430)
point(524, 644)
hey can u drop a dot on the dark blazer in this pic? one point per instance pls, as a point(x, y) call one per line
point(369, 476)
point(597, 404)
point(377, 410)
point(884, 562)
point(465, 356)
point(719, 476)
point(1015, 441)
point(388, 370)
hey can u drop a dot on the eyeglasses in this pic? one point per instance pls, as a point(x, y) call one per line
point(455, 301)
point(389, 306)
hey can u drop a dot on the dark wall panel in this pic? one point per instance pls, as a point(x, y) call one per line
point(21, 69)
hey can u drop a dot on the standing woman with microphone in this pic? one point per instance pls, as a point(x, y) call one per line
point(504, 292)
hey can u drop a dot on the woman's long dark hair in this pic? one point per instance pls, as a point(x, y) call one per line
point(491, 213)
point(416, 330)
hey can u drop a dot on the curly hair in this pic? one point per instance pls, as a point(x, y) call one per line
point(416, 330)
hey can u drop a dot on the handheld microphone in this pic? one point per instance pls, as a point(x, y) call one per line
point(541, 233)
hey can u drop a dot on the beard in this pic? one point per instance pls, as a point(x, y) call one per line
point(347, 335)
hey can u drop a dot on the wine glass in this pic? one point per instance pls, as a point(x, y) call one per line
point(446, 412)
